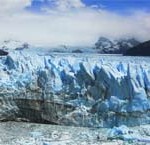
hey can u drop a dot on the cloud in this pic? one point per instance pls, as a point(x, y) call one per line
point(11, 6)
point(80, 26)
point(59, 5)
point(64, 5)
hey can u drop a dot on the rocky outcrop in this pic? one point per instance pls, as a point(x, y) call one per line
point(142, 49)
point(3, 53)
point(85, 90)
point(13, 45)
point(120, 46)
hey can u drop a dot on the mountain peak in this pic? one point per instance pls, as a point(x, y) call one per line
point(13, 45)
point(106, 45)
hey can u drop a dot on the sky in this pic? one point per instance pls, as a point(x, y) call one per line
point(73, 22)
point(120, 6)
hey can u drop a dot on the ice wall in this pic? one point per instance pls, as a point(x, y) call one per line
point(74, 89)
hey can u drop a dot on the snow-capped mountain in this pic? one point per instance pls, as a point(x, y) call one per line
point(105, 45)
point(13, 45)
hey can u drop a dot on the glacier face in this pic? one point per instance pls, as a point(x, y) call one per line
point(74, 89)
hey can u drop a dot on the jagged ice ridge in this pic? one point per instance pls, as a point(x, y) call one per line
point(74, 89)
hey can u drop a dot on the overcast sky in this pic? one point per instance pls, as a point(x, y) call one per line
point(73, 22)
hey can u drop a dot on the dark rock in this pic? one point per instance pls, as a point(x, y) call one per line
point(77, 51)
point(142, 49)
point(3, 53)
point(24, 46)
point(107, 46)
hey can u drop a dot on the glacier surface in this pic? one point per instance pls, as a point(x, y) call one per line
point(74, 89)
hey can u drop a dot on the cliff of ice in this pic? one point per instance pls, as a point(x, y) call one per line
point(74, 89)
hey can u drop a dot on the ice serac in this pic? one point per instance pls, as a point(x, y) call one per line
point(70, 89)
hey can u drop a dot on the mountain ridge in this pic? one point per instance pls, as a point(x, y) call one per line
point(103, 46)
point(112, 46)
point(143, 49)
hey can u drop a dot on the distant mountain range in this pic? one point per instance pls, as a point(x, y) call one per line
point(143, 49)
point(119, 46)
point(126, 46)
point(13, 45)
point(103, 46)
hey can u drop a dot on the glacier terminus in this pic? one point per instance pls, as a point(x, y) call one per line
point(74, 89)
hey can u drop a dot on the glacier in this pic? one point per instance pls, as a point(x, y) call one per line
point(89, 90)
